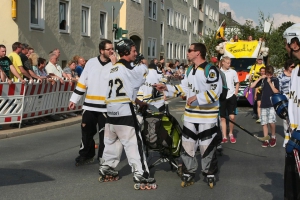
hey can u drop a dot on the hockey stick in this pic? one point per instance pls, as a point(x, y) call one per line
point(262, 139)
point(297, 160)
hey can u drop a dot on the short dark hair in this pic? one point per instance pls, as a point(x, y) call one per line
point(103, 43)
point(24, 46)
point(15, 45)
point(270, 70)
point(288, 63)
point(2, 46)
point(41, 61)
point(200, 47)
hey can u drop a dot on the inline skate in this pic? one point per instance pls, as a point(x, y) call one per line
point(211, 180)
point(107, 174)
point(187, 179)
point(142, 183)
point(83, 160)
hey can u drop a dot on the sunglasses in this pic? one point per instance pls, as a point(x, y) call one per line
point(190, 50)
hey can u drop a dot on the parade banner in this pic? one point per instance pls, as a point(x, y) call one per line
point(244, 49)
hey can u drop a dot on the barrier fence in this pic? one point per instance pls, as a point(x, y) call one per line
point(27, 101)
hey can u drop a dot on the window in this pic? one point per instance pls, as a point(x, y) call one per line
point(152, 9)
point(85, 21)
point(103, 25)
point(194, 27)
point(179, 20)
point(195, 3)
point(171, 51)
point(184, 22)
point(37, 20)
point(170, 16)
point(206, 9)
point(176, 19)
point(168, 50)
point(162, 33)
point(151, 47)
point(64, 21)
point(175, 51)
point(210, 13)
point(190, 14)
point(162, 4)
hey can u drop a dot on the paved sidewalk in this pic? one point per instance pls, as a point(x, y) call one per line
point(13, 132)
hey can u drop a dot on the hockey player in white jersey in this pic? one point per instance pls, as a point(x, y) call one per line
point(122, 127)
point(95, 74)
point(200, 117)
point(292, 162)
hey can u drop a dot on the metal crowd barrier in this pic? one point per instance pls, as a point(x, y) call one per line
point(27, 101)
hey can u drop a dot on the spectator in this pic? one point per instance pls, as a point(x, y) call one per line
point(228, 106)
point(270, 85)
point(26, 63)
point(30, 51)
point(284, 85)
point(7, 66)
point(70, 72)
point(80, 65)
point(17, 62)
point(33, 61)
point(257, 94)
point(235, 38)
point(254, 75)
point(52, 68)
point(249, 39)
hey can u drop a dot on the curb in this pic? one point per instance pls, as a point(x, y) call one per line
point(38, 128)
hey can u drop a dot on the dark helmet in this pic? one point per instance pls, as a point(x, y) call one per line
point(139, 58)
point(123, 47)
point(280, 104)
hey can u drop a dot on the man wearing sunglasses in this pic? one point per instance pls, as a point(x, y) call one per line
point(94, 82)
point(200, 117)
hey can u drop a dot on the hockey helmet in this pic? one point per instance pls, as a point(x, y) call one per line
point(292, 32)
point(280, 104)
point(123, 47)
point(294, 142)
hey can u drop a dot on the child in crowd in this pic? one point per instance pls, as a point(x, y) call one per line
point(269, 85)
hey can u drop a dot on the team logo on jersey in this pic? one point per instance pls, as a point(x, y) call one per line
point(213, 86)
point(212, 76)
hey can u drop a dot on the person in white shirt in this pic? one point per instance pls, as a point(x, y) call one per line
point(228, 106)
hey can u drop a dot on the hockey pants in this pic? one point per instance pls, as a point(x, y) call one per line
point(291, 179)
point(204, 136)
point(124, 131)
point(90, 120)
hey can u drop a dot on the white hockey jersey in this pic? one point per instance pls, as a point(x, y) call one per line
point(93, 81)
point(146, 92)
point(294, 101)
point(207, 89)
point(124, 83)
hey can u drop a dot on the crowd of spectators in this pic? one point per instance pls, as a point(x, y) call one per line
point(24, 65)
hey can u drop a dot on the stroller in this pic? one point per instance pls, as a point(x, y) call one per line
point(161, 133)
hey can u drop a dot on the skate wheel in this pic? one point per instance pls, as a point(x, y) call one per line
point(211, 185)
point(136, 186)
point(183, 184)
point(101, 179)
point(142, 187)
point(154, 186)
point(148, 187)
point(116, 178)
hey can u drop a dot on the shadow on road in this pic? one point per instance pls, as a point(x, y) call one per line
point(276, 185)
point(21, 176)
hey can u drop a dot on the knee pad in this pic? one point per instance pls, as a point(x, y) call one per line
point(294, 142)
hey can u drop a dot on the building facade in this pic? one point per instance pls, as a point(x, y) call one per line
point(159, 28)
point(75, 27)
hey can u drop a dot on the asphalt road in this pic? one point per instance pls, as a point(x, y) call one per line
point(41, 166)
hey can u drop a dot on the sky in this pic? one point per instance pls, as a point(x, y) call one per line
point(279, 10)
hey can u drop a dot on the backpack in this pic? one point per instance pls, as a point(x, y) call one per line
point(206, 72)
